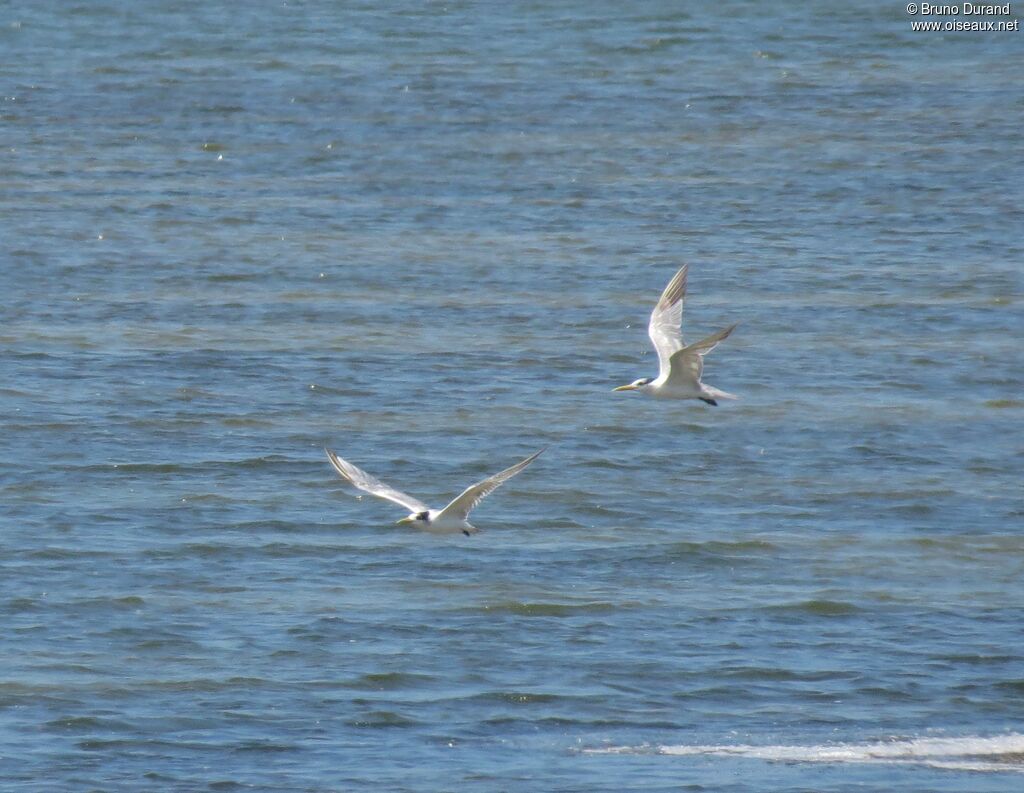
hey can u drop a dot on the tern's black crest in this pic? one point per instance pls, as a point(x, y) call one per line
point(645, 381)
point(709, 401)
point(422, 515)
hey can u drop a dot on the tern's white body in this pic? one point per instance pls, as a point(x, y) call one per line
point(680, 366)
point(452, 519)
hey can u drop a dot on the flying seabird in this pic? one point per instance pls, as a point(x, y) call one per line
point(453, 518)
point(680, 367)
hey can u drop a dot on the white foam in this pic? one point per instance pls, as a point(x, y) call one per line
point(967, 753)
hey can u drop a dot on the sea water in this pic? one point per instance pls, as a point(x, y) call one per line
point(428, 235)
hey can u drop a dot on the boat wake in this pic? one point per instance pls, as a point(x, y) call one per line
point(1004, 753)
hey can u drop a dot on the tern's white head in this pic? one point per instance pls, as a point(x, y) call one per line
point(636, 385)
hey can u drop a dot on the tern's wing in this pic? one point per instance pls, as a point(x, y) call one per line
point(685, 369)
point(706, 345)
point(666, 319)
point(687, 365)
point(474, 494)
point(370, 484)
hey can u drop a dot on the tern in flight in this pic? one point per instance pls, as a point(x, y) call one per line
point(453, 518)
point(679, 366)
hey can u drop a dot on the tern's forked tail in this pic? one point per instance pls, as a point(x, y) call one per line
point(715, 393)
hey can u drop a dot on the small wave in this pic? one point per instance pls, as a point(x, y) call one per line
point(336, 390)
point(251, 463)
point(1014, 687)
point(580, 722)
point(729, 552)
point(85, 724)
point(54, 553)
point(387, 681)
point(523, 609)
point(786, 675)
point(124, 601)
point(969, 753)
point(230, 278)
point(818, 607)
point(976, 658)
point(207, 498)
point(245, 421)
point(518, 698)
point(1004, 403)
point(383, 718)
point(265, 746)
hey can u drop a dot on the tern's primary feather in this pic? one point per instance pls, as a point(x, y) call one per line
point(462, 504)
point(666, 320)
point(372, 485)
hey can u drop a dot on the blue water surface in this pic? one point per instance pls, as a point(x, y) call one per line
point(429, 235)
